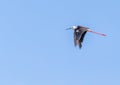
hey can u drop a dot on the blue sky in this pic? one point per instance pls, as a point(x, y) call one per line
point(35, 49)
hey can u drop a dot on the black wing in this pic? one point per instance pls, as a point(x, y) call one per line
point(78, 37)
point(82, 38)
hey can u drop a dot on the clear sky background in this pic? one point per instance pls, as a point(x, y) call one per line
point(35, 48)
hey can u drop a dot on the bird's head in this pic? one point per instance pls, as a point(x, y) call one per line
point(73, 27)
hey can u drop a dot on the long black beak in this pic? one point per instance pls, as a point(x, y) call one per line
point(68, 28)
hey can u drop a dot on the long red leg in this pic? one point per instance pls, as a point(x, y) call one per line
point(97, 33)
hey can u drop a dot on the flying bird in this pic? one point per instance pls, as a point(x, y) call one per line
point(79, 34)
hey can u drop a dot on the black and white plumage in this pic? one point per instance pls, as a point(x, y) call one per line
point(79, 34)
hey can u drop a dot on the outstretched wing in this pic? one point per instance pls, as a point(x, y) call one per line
point(78, 36)
point(82, 38)
point(75, 39)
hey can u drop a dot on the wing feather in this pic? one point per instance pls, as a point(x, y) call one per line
point(82, 38)
point(79, 35)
